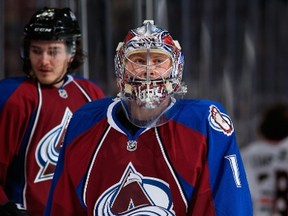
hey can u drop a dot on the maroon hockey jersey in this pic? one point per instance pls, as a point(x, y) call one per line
point(189, 166)
point(33, 119)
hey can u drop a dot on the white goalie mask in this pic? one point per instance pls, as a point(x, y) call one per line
point(149, 66)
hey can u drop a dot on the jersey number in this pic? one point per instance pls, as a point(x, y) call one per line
point(235, 170)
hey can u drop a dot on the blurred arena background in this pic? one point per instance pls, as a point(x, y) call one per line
point(236, 51)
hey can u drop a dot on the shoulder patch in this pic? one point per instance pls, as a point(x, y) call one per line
point(220, 121)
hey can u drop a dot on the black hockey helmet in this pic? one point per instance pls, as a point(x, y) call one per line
point(52, 24)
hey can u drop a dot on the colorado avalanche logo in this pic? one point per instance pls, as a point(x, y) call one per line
point(48, 149)
point(220, 121)
point(135, 195)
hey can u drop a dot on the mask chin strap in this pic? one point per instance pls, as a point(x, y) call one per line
point(65, 77)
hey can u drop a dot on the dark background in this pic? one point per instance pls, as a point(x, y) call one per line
point(236, 51)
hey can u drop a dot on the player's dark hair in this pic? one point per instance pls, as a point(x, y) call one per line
point(274, 122)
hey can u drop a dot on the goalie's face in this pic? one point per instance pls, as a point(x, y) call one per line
point(145, 77)
point(144, 66)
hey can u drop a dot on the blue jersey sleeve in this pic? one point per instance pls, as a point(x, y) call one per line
point(228, 181)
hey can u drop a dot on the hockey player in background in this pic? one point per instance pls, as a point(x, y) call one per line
point(266, 162)
point(149, 151)
point(35, 109)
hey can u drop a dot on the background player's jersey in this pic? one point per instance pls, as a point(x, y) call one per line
point(158, 171)
point(32, 124)
point(267, 172)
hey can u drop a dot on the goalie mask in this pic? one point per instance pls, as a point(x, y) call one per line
point(149, 66)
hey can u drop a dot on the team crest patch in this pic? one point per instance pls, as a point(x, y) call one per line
point(135, 194)
point(48, 149)
point(220, 121)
